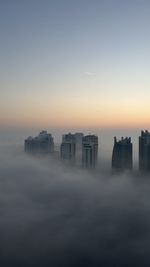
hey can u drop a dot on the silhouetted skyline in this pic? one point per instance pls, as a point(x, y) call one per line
point(80, 70)
point(82, 150)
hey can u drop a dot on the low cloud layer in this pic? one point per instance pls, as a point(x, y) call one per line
point(52, 215)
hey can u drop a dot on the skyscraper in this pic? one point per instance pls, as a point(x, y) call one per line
point(122, 154)
point(89, 151)
point(71, 147)
point(41, 144)
point(68, 147)
point(144, 150)
point(78, 154)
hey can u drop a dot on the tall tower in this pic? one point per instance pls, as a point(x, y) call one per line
point(144, 150)
point(68, 147)
point(71, 147)
point(89, 151)
point(78, 141)
point(122, 154)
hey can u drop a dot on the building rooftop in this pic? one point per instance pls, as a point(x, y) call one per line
point(145, 133)
point(123, 141)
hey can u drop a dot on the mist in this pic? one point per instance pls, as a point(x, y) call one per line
point(54, 215)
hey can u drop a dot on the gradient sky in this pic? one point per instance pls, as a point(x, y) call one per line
point(75, 63)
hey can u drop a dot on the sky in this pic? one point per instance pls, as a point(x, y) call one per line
point(66, 63)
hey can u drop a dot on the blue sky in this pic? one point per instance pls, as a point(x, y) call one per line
point(81, 61)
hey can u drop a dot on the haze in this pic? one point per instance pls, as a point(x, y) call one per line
point(73, 66)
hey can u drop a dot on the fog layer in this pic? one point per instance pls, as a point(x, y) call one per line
point(52, 215)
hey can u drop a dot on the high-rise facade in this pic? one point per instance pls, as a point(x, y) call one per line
point(71, 147)
point(122, 154)
point(78, 142)
point(41, 144)
point(89, 151)
point(144, 150)
point(68, 147)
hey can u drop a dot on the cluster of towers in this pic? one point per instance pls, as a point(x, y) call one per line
point(83, 149)
point(122, 152)
point(75, 148)
point(80, 149)
point(41, 144)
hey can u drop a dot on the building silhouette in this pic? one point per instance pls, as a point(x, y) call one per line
point(144, 150)
point(89, 151)
point(122, 154)
point(41, 144)
point(71, 147)
point(68, 147)
point(78, 143)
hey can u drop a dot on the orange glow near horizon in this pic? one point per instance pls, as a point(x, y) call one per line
point(80, 118)
point(82, 112)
